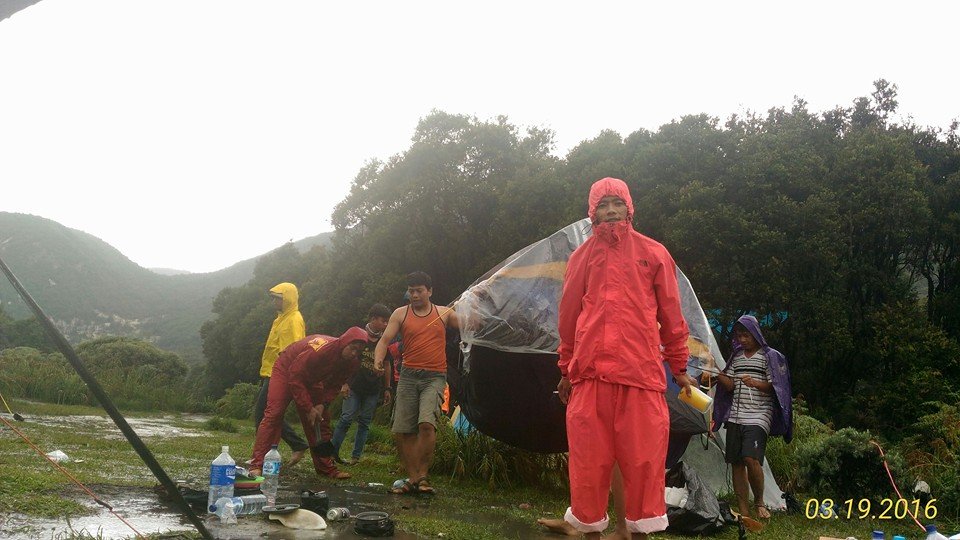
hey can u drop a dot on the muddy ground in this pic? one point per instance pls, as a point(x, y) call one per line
point(150, 511)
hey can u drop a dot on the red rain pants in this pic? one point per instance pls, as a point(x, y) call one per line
point(268, 433)
point(610, 423)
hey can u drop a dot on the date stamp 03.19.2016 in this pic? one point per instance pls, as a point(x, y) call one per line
point(868, 509)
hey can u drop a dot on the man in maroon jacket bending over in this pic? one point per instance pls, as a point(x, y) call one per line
point(310, 372)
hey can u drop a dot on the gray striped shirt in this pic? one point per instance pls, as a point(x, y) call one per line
point(751, 407)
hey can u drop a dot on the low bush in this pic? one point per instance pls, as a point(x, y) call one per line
point(846, 465)
point(932, 451)
point(783, 457)
point(218, 423)
point(238, 401)
point(155, 383)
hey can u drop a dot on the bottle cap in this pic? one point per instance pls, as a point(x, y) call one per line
point(274, 446)
point(898, 537)
point(931, 528)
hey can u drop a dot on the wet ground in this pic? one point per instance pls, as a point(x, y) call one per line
point(104, 426)
point(145, 511)
point(150, 513)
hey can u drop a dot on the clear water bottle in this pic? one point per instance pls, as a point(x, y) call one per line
point(271, 475)
point(338, 514)
point(222, 475)
point(932, 533)
point(242, 506)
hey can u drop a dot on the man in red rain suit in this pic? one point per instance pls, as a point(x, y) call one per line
point(618, 288)
point(311, 373)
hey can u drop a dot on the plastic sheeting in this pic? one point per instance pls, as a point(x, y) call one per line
point(515, 306)
point(504, 372)
point(700, 512)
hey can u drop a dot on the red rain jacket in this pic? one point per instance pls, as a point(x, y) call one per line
point(313, 366)
point(618, 286)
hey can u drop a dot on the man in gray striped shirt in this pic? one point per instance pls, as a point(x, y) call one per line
point(747, 376)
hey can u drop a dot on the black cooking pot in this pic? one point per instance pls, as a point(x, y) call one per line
point(315, 501)
point(376, 524)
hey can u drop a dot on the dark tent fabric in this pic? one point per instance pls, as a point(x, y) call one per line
point(700, 513)
point(504, 372)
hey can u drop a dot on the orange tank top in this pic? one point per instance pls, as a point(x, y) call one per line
point(424, 340)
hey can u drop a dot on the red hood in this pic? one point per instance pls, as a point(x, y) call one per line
point(605, 187)
point(352, 334)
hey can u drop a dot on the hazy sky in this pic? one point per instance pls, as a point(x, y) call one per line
point(196, 133)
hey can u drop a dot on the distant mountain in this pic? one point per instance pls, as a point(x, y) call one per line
point(91, 289)
point(9, 7)
point(169, 271)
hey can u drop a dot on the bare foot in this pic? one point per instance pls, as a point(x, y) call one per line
point(558, 526)
point(296, 457)
point(762, 512)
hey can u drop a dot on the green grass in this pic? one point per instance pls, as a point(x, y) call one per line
point(466, 509)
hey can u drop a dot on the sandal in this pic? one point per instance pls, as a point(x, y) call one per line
point(423, 485)
point(405, 488)
point(762, 511)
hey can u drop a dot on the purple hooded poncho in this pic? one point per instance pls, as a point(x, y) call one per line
point(782, 423)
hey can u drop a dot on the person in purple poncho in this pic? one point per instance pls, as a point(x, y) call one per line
point(754, 401)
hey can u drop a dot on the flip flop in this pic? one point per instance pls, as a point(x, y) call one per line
point(758, 507)
point(405, 488)
point(424, 487)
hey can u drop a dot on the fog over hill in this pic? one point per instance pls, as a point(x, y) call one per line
point(90, 289)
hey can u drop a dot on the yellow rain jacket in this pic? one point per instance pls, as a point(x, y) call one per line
point(287, 328)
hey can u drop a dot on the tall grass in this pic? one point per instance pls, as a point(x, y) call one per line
point(30, 374)
point(473, 455)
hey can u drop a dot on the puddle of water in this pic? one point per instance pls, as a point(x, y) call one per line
point(104, 427)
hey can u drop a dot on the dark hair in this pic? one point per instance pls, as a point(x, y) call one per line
point(415, 279)
point(378, 310)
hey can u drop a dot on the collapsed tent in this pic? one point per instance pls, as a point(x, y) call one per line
point(504, 372)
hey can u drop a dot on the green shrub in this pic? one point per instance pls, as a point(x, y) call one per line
point(31, 374)
point(476, 456)
point(238, 401)
point(783, 457)
point(933, 452)
point(220, 424)
point(846, 465)
point(152, 381)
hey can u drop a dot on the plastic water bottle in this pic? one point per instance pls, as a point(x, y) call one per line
point(932, 533)
point(271, 475)
point(242, 506)
point(338, 514)
point(222, 475)
point(878, 535)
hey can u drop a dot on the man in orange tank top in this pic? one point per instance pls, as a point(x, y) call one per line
point(423, 378)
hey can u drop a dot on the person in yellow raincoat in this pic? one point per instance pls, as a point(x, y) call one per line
point(287, 328)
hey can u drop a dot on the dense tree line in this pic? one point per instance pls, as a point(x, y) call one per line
point(839, 228)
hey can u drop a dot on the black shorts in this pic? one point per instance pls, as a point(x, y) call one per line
point(745, 442)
